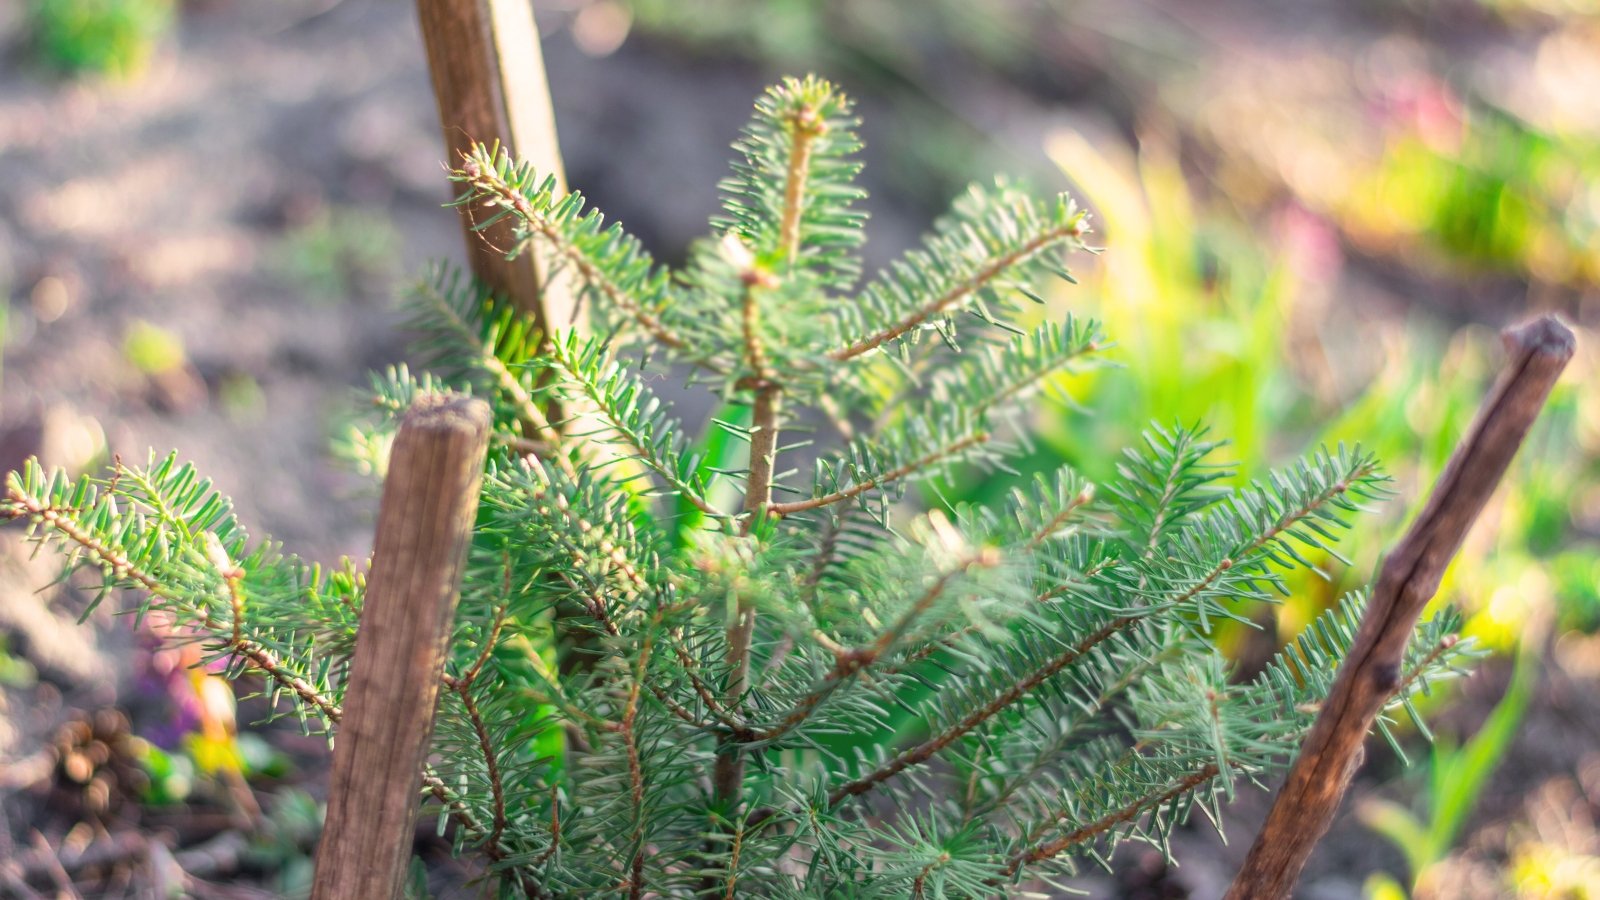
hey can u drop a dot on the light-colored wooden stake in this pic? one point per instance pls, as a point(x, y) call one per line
point(1370, 675)
point(425, 519)
point(489, 81)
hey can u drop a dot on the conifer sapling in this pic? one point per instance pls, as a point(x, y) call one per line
point(676, 674)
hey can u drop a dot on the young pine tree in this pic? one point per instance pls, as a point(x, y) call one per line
point(678, 673)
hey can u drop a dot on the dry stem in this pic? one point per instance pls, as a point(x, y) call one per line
point(1370, 674)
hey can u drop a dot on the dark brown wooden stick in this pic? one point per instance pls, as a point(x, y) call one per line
point(1369, 676)
point(489, 81)
point(424, 520)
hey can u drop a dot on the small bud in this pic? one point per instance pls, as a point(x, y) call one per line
point(949, 538)
point(1085, 496)
point(807, 123)
point(217, 555)
point(737, 255)
point(735, 252)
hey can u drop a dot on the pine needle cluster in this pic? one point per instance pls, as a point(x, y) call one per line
point(679, 673)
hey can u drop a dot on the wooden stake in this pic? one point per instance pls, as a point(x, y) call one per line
point(1370, 674)
point(489, 81)
point(425, 518)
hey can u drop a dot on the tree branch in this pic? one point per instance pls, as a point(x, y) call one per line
point(1370, 674)
point(599, 406)
point(805, 127)
point(848, 662)
point(707, 696)
point(861, 487)
point(463, 689)
point(1059, 521)
point(529, 413)
point(1100, 826)
point(949, 641)
point(733, 860)
point(635, 772)
point(259, 657)
point(763, 454)
point(926, 750)
point(1009, 787)
point(991, 270)
point(919, 884)
point(728, 770)
point(480, 174)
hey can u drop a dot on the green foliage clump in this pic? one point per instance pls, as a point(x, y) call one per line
point(663, 687)
point(112, 37)
point(1509, 198)
point(152, 349)
point(339, 253)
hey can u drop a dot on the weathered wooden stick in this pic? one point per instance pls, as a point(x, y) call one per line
point(489, 81)
point(1369, 676)
point(425, 518)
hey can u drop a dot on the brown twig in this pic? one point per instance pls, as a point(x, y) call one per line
point(825, 556)
point(927, 749)
point(733, 860)
point(597, 407)
point(555, 826)
point(727, 776)
point(766, 416)
point(707, 696)
point(1370, 674)
point(949, 641)
point(597, 609)
point(1018, 689)
point(1009, 787)
point(630, 739)
point(919, 884)
point(491, 760)
point(1058, 521)
point(805, 127)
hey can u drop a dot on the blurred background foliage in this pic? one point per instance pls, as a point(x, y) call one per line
point(108, 37)
point(1315, 217)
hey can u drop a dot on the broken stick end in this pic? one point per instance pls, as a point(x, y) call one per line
point(1546, 336)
